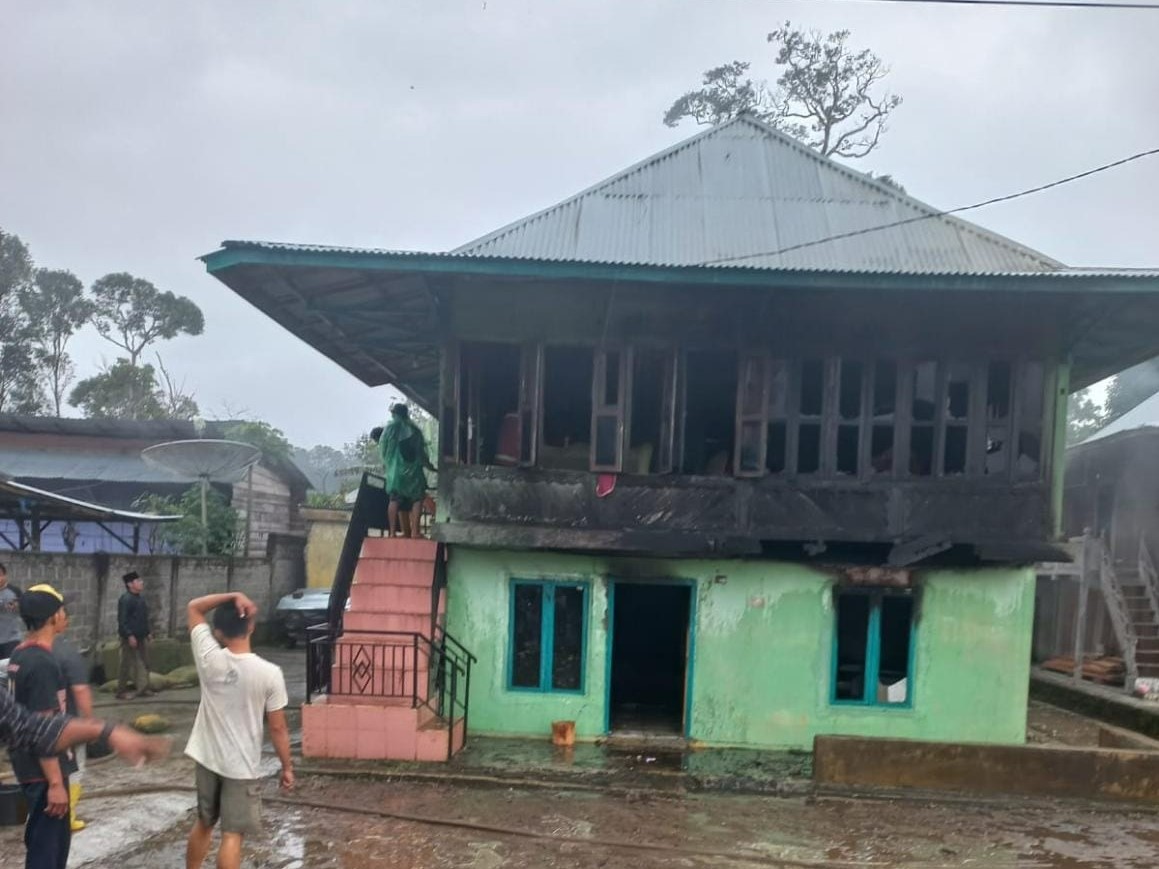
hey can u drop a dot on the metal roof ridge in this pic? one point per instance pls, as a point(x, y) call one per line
point(620, 174)
point(794, 144)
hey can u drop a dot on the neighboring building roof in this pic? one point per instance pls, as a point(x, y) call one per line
point(1143, 415)
point(738, 194)
point(89, 463)
point(18, 500)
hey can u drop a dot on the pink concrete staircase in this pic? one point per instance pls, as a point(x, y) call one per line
point(391, 685)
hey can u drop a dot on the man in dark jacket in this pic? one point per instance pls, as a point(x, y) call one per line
point(133, 627)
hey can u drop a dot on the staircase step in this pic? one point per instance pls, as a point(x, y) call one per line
point(1147, 644)
point(1148, 671)
point(1147, 631)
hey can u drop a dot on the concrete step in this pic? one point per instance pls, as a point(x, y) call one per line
point(1148, 671)
point(1147, 631)
point(333, 728)
point(400, 622)
point(1147, 644)
point(399, 599)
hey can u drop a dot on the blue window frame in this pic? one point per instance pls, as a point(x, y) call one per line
point(547, 643)
point(873, 648)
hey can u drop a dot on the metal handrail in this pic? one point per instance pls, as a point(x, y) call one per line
point(391, 669)
point(1149, 576)
point(1112, 595)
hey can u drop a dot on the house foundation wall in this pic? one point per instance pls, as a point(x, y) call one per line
point(761, 653)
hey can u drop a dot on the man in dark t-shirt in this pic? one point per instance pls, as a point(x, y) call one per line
point(37, 681)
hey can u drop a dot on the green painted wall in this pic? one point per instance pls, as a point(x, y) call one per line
point(763, 647)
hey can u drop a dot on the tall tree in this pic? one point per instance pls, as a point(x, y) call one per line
point(19, 389)
point(121, 391)
point(131, 313)
point(60, 308)
point(175, 402)
point(827, 94)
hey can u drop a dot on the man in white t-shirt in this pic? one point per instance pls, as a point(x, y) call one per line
point(238, 690)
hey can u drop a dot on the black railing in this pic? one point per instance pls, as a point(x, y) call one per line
point(390, 665)
point(369, 512)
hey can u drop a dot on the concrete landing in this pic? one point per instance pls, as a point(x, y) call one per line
point(1111, 705)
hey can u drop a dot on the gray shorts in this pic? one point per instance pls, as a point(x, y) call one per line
point(237, 802)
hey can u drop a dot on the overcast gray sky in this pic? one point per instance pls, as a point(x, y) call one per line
point(136, 135)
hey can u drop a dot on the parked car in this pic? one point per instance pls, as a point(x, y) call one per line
point(301, 609)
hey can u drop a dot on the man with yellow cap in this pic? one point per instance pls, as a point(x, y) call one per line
point(37, 682)
point(79, 702)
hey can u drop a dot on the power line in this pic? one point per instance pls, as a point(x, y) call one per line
point(934, 214)
point(1068, 4)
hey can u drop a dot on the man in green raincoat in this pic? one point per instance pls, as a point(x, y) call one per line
point(404, 456)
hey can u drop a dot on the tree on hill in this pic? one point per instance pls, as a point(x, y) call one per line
point(60, 307)
point(827, 94)
point(131, 314)
point(20, 390)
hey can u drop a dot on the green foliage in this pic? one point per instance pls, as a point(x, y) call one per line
point(188, 536)
point(132, 313)
point(20, 390)
point(60, 306)
point(121, 391)
point(1084, 417)
point(326, 501)
point(826, 94)
point(271, 441)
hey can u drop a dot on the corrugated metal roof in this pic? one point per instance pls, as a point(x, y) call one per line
point(1143, 415)
point(26, 464)
point(745, 194)
point(370, 253)
point(16, 500)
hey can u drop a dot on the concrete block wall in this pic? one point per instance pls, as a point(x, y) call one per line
point(92, 583)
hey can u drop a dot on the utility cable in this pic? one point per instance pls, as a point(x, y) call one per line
point(1065, 4)
point(935, 214)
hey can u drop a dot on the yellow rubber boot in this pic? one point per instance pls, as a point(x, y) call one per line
point(74, 791)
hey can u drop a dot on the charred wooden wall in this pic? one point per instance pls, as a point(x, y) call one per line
point(756, 510)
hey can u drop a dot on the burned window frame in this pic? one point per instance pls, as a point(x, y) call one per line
point(979, 429)
point(975, 424)
point(548, 588)
point(875, 596)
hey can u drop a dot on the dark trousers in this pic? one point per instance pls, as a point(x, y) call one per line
point(134, 665)
point(46, 839)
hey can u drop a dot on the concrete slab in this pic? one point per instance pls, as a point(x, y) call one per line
point(1043, 771)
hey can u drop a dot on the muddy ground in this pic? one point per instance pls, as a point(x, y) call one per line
point(644, 822)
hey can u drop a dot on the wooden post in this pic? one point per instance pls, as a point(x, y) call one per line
point(249, 510)
point(1080, 620)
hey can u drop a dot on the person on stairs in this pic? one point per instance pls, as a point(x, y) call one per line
point(135, 633)
point(405, 460)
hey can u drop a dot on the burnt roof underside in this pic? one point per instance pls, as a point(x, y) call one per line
point(378, 315)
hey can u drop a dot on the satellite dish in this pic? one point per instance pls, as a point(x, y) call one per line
point(206, 461)
point(210, 460)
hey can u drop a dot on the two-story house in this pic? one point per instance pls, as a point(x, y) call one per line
point(739, 444)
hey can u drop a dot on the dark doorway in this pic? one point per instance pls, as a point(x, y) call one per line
point(649, 657)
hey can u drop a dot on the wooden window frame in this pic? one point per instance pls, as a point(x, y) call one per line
point(620, 410)
point(530, 403)
point(759, 362)
point(873, 649)
point(547, 635)
point(449, 402)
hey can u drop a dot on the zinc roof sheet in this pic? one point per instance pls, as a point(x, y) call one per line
point(30, 464)
point(744, 194)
